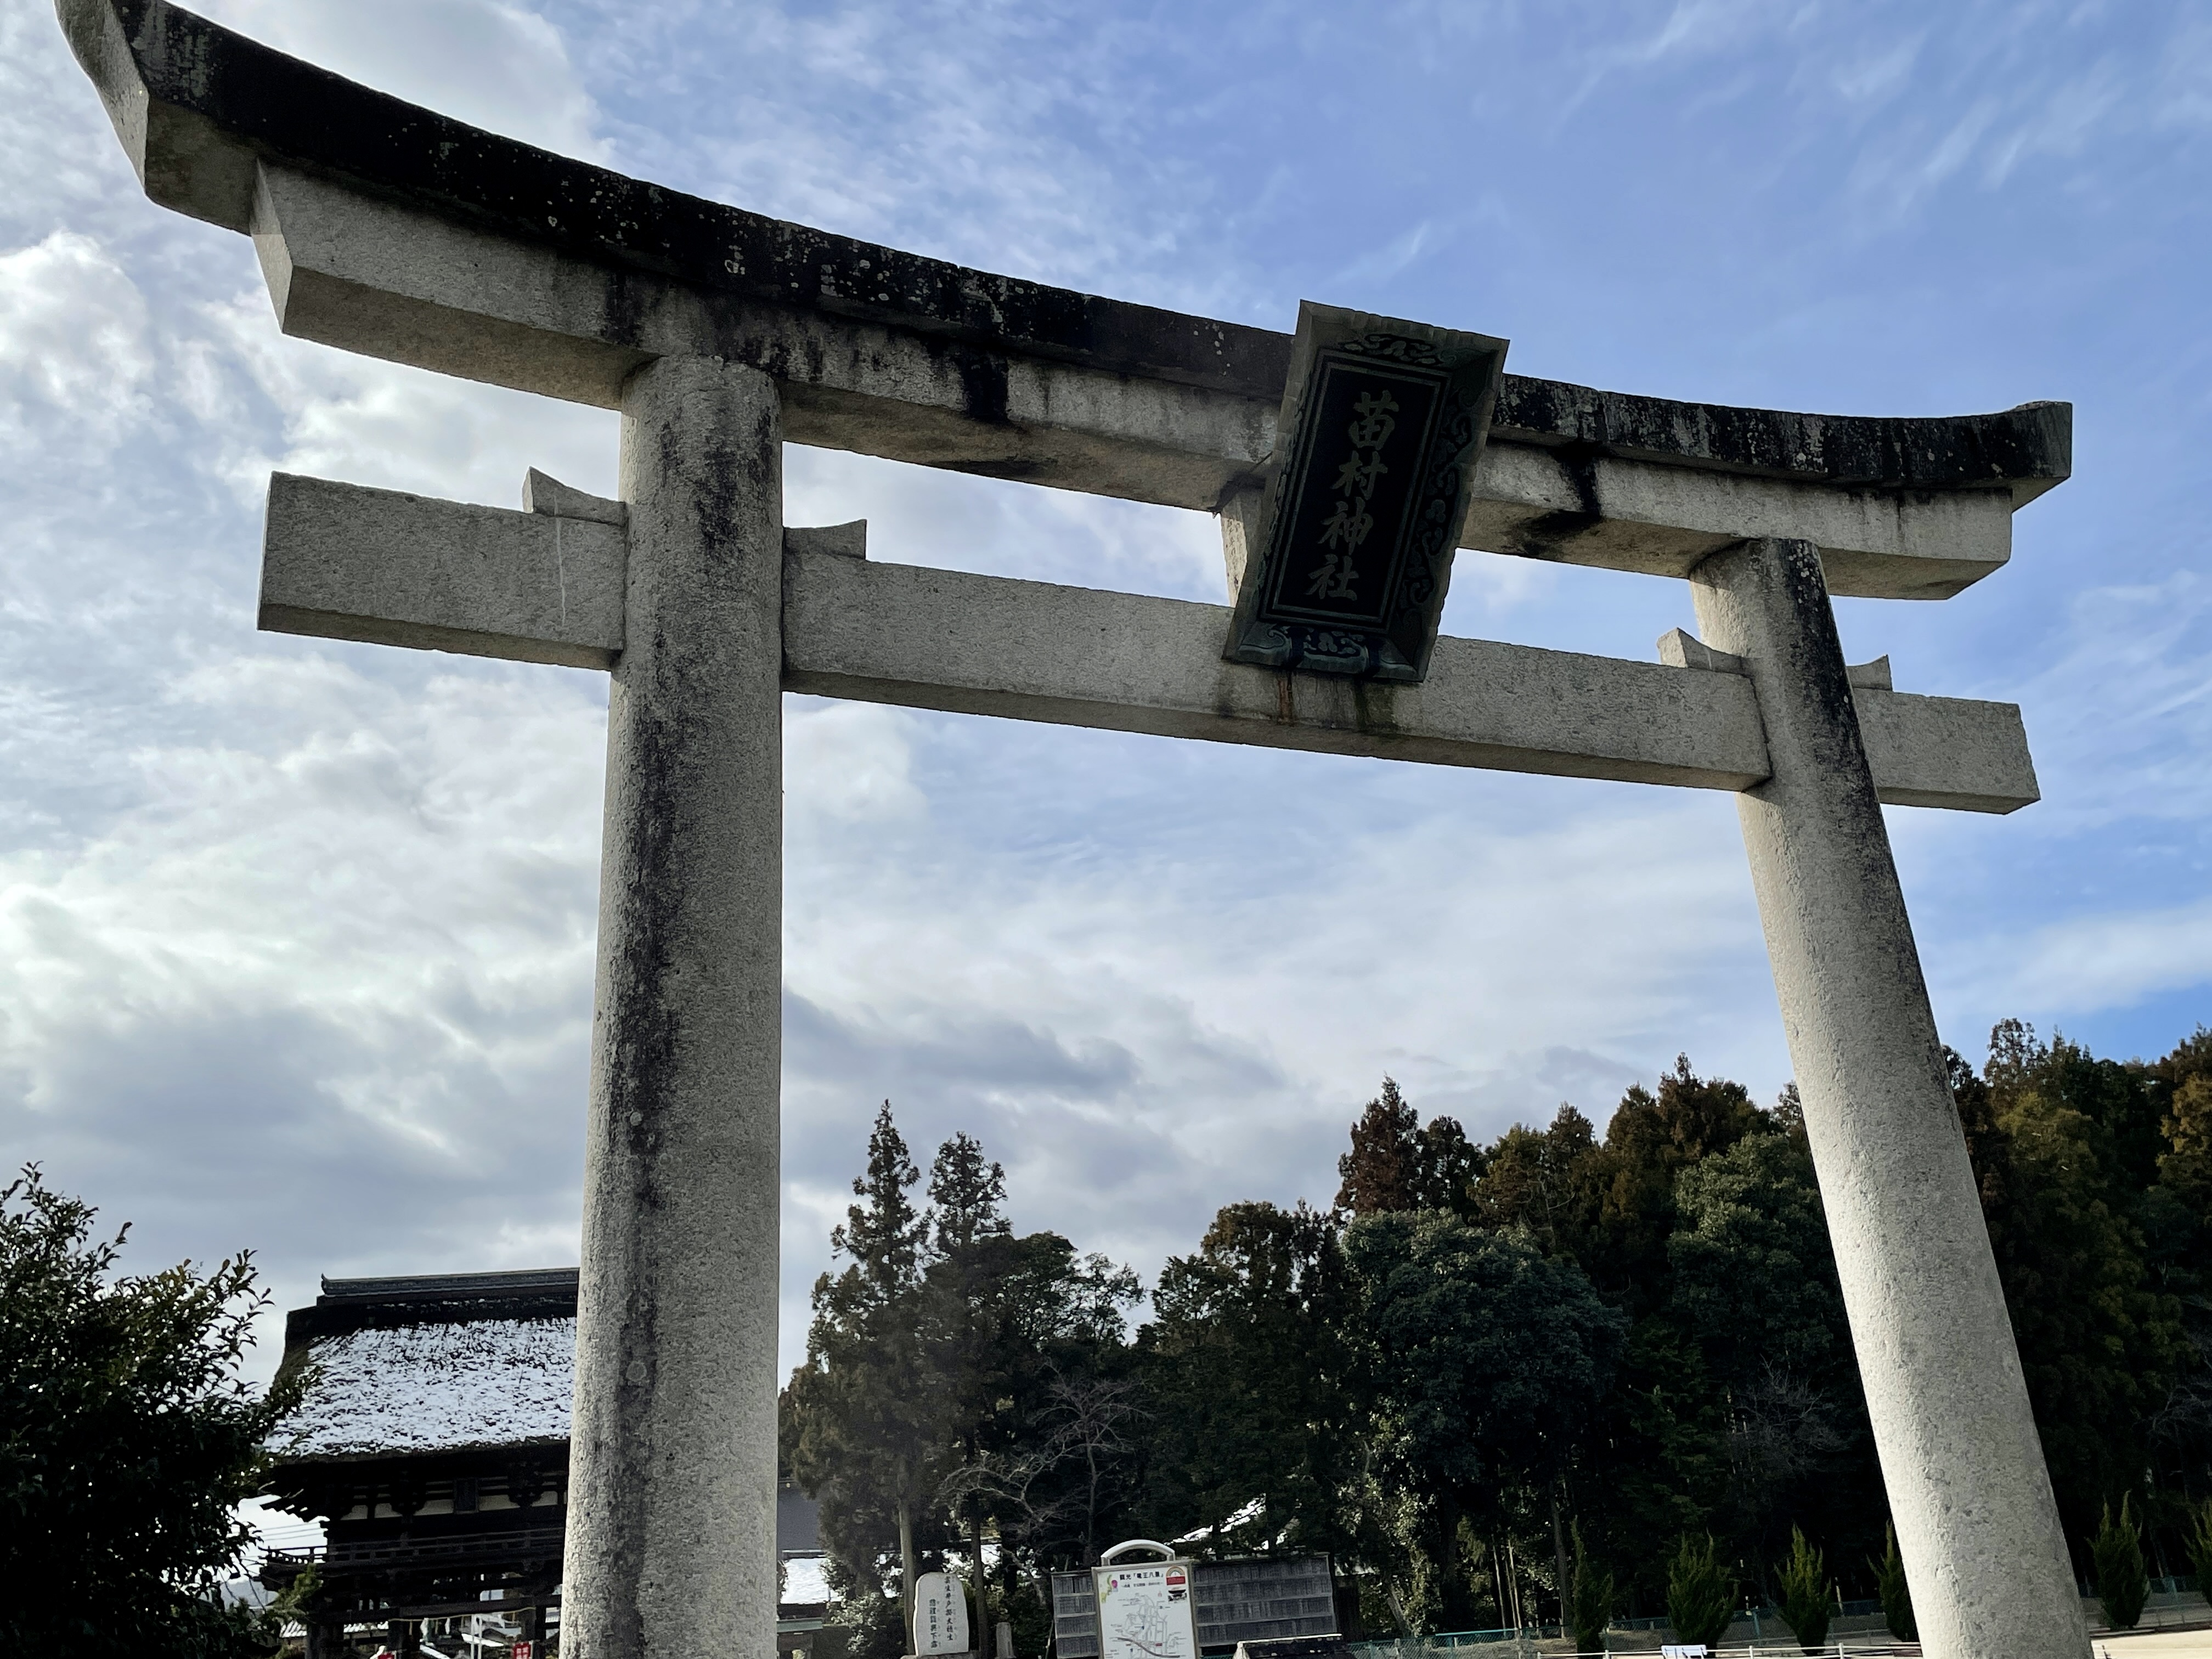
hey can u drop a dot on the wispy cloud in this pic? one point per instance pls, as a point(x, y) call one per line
point(295, 938)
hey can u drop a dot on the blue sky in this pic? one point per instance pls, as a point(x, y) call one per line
point(295, 937)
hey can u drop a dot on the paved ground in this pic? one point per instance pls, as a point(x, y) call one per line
point(2155, 1645)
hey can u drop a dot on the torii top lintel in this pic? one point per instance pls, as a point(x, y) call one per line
point(388, 230)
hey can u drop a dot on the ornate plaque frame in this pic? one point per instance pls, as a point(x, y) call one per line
point(1356, 516)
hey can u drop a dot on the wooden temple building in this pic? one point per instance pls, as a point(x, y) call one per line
point(432, 1448)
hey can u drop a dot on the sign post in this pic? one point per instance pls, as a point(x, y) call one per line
point(1144, 1607)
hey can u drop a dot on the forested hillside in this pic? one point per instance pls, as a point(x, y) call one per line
point(1479, 1352)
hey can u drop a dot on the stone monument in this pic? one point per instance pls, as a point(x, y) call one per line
point(390, 230)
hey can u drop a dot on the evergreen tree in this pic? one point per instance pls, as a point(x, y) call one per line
point(1394, 1163)
point(126, 1440)
point(883, 1236)
point(1651, 1139)
point(967, 1193)
point(1895, 1594)
point(1447, 1167)
point(1246, 1368)
point(1546, 1182)
point(1700, 1594)
point(2197, 1541)
point(1381, 1172)
point(862, 1419)
point(2122, 1585)
point(1591, 1600)
point(1486, 1359)
point(959, 1380)
point(1754, 1287)
point(1808, 1598)
point(966, 1330)
point(2100, 1346)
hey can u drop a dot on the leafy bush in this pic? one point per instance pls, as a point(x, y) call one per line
point(2197, 1537)
point(1809, 1599)
point(2122, 1585)
point(1591, 1602)
point(1896, 1595)
point(126, 1438)
point(1700, 1593)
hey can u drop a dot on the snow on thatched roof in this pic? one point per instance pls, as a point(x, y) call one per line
point(451, 1386)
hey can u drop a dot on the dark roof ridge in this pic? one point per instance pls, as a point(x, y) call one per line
point(197, 105)
point(472, 1286)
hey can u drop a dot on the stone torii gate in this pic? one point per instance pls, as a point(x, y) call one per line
point(387, 229)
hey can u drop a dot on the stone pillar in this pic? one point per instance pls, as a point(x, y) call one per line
point(1968, 1487)
point(671, 1517)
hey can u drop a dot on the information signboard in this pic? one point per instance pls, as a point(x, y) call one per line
point(1145, 1610)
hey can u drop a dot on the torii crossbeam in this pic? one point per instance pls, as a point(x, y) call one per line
point(390, 230)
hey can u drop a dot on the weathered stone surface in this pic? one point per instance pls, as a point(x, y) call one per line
point(1072, 656)
point(848, 541)
point(543, 493)
point(1959, 1454)
point(390, 230)
point(346, 563)
point(671, 1530)
point(1075, 656)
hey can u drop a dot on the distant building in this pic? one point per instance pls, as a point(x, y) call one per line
point(433, 1445)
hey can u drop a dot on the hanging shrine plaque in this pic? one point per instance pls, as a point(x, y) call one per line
point(1358, 517)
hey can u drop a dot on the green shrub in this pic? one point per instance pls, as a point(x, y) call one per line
point(128, 1437)
point(2122, 1585)
point(2197, 1537)
point(1591, 1600)
point(1808, 1599)
point(1700, 1594)
point(1896, 1595)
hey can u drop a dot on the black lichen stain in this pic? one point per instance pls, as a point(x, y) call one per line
point(982, 384)
point(1547, 535)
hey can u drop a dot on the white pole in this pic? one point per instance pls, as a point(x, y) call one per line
point(1968, 1488)
point(671, 1527)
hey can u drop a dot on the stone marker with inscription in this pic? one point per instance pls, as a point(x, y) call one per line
point(1332, 459)
point(940, 1615)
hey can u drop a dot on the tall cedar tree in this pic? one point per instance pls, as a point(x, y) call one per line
point(862, 1418)
point(1396, 1164)
point(1487, 1359)
point(959, 1380)
point(126, 1440)
point(2061, 1151)
point(1246, 1364)
point(1754, 1287)
point(965, 1325)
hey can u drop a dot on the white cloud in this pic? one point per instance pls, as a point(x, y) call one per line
point(295, 939)
point(74, 349)
point(499, 66)
point(2091, 962)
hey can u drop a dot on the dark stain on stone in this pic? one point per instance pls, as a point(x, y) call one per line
point(983, 385)
point(1375, 706)
point(1547, 535)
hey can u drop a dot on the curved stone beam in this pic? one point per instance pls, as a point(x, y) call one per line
point(390, 230)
